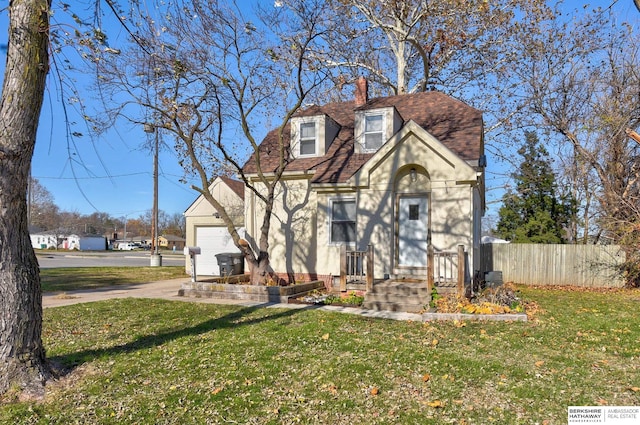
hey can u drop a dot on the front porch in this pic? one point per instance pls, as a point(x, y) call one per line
point(445, 272)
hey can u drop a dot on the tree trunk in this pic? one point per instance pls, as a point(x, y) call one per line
point(260, 270)
point(22, 356)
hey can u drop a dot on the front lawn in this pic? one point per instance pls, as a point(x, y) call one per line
point(70, 279)
point(153, 362)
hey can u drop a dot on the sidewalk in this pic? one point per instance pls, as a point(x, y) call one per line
point(165, 289)
point(168, 290)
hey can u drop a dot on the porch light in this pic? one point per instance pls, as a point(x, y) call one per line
point(413, 174)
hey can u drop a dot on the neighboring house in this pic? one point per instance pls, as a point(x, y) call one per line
point(395, 173)
point(205, 228)
point(84, 243)
point(171, 242)
point(143, 241)
point(41, 239)
point(492, 239)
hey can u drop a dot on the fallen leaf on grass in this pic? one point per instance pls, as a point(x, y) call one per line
point(602, 402)
point(216, 391)
point(539, 363)
point(634, 389)
point(426, 377)
point(325, 337)
point(435, 404)
point(434, 342)
point(374, 391)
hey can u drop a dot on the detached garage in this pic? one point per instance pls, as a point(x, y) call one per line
point(206, 230)
point(213, 240)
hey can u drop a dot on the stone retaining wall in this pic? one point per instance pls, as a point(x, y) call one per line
point(277, 294)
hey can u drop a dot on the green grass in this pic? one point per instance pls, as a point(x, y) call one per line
point(70, 279)
point(161, 362)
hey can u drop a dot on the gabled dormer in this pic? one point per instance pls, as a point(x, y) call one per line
point(311, 135)
point(373, 127)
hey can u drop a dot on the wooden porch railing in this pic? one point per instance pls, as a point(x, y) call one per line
point(356, 266)
point(443, 268)
point(446, 267)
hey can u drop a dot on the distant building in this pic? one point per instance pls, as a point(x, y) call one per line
point(171, 242)
point(84, 243)
point(43, 239)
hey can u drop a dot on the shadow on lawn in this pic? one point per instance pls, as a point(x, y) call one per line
point(64, 365)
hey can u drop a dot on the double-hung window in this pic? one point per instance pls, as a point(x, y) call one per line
point(373, 129)
point(307, 138)
point(343, 221)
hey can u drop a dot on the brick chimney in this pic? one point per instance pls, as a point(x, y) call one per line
point(361, 91)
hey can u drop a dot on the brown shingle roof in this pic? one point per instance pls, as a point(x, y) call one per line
point(235, 185)
point(455, 124)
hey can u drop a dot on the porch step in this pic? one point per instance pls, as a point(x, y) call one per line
point(397, 296)
point(408, 295)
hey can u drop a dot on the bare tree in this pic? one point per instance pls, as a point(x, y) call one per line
point(43, 211)
point(584, 88)
point(212, 79)
point(416, 45)
point(22, 356)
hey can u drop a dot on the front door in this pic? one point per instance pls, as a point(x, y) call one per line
point(413, 230)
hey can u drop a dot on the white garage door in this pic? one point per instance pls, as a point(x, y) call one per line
point(212, 241)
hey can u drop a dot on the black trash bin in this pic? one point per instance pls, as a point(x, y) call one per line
point(230, 263)
point(237, 262)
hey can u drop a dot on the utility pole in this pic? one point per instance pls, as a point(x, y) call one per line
point(156, 258)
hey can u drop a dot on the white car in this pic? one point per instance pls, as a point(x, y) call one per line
point(128, 246)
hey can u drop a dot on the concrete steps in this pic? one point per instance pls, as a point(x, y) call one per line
point(393, 295)
point(402, 295)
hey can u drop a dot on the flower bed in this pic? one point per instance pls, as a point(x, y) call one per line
point(503, 299)
point(349, 299)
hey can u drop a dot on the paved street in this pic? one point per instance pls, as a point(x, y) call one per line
point(53, 259)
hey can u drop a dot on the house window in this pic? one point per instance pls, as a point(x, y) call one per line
point(343, 221)
point(307, 139)
point(372, 132)
point(414, 212)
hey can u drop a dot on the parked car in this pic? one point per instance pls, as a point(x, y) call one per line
point(128, 246)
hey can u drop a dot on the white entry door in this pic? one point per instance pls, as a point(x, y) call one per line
point(413, 230)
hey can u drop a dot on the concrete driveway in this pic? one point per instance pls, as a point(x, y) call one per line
point(165, 289)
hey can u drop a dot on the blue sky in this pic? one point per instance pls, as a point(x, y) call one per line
point(113, 174)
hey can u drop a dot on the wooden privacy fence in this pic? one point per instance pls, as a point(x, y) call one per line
point(537, 264)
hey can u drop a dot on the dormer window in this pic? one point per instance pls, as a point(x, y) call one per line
point(311, 135)
point(374, 127)
point(373, 132)
point(308, 139)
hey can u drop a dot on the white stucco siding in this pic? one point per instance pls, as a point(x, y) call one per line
point(450, 211)
point(292, 234)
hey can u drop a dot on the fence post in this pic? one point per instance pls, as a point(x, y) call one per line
point(343, 268)
point(461, 270)
point(369, 285)
point(430, 256)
